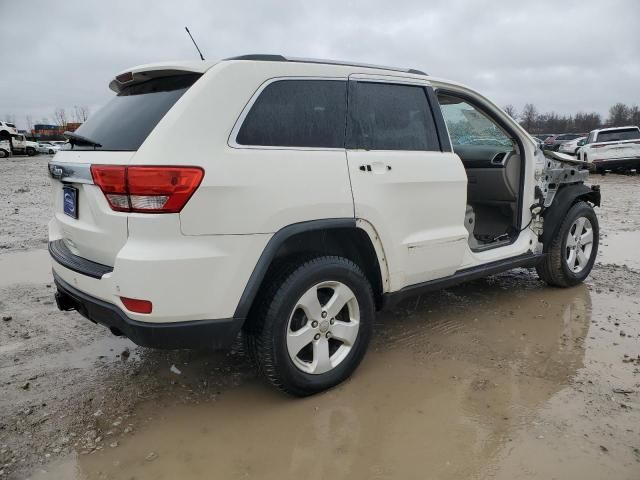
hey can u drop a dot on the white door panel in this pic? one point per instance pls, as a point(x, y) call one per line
point(412, 193)
point(417, 207)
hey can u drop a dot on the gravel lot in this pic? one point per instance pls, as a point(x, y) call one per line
point(500, 378)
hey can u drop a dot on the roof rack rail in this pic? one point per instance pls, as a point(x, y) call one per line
point(280, 58)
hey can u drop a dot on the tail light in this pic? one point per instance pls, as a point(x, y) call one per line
point(147, 189)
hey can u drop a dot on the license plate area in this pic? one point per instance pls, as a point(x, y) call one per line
point(70, 200)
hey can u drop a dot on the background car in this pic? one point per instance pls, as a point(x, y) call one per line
point(554, 142)
point(47, 147)
point(614, 148)
point(571, 147)
point(544, 136)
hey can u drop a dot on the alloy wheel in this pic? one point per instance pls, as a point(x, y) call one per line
point(323, 327)
point(579, 246)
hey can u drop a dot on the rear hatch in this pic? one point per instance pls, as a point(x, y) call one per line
point(83, 218)
point(620, 143)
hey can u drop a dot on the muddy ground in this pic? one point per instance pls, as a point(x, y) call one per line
point(500, 378)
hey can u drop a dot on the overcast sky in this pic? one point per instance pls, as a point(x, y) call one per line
point(561, 55)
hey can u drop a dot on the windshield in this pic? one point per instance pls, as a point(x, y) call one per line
point(128, 118)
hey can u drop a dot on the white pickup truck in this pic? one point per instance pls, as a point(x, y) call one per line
point(20, 145)
point(5, 148)
point(616, 148)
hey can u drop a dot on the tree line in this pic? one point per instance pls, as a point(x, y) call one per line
point(551, 122)
point(61, 117)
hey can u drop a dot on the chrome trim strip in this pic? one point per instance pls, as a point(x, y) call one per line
point(71, 172)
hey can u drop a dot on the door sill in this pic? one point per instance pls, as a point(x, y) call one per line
point(526, 260)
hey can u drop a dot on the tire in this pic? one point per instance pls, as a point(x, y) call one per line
point(4, 154)
point(563, 267)
point(51, 152)
point(295, 315)
point(31, 152)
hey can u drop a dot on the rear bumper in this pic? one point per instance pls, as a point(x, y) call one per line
point(217, 334)
point(618, 163)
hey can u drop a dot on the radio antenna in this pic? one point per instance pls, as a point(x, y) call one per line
point(194, 43)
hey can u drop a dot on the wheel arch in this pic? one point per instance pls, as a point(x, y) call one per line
point(344, 237)
point(566, 197)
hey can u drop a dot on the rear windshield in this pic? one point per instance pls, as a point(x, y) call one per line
point(129, 117)
point(619, 135)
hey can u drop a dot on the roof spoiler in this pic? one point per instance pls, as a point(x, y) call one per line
point(143, 73)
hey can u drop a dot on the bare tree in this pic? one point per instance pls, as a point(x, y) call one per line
point(60, 117)
point(529, 117)
point(81, 113)
point(511, 111)
point(585, 122)
point(634, 115)
point(619, 115)
point(29, 119)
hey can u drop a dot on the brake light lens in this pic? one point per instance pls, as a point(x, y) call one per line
point(137, 306)
point(147, 189)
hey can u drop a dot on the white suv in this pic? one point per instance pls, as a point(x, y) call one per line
point(615, 148)
point(314, 194)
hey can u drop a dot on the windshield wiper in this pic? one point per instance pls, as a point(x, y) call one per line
point(75, 139)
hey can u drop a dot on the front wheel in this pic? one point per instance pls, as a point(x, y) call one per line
point(573, 250)
point(31, 152)
point(313, 326)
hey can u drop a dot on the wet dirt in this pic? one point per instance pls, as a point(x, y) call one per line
point(500, 378)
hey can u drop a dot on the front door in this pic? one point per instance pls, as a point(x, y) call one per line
point(412, 193)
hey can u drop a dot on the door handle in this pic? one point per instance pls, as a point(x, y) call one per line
point(376, 167)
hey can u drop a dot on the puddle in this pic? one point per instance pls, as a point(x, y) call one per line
point(620, 248)
point(450, 380)
point(31, 266)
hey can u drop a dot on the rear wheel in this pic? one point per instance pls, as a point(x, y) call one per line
point(313, 327)
point(51, 152)
point(573, 250)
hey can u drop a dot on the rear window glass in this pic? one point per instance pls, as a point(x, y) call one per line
point(129, 117)
point(384, 116)
point(297, 113)
point(619, 135)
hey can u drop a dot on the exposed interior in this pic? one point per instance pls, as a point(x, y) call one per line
point(493, 163)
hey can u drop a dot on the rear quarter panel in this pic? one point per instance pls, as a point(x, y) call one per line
point(245, 190)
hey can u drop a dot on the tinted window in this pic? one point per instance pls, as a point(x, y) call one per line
point(385, 116)
point(129, 117)
point(619, 135)
point(297, 113)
